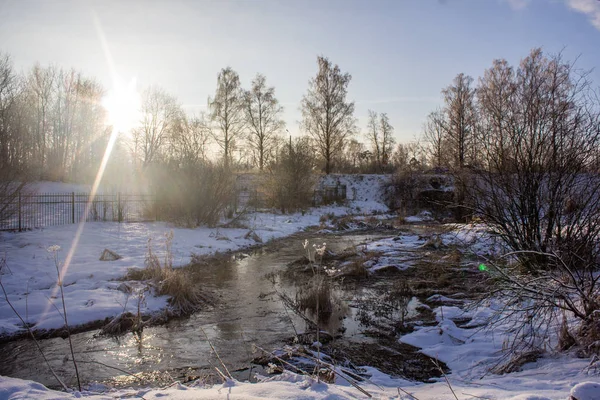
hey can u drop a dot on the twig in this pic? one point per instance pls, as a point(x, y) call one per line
point(328, 366)
point(282, 360)
point(477, 397)
point(412, 396)
point(32, 337)
point(217, 354)
point(285, 307)
point(290, 303)
point(115, 368)
point(331, 367)
point(62, 295)
point(27, 301)
point(445, 377)
point(247, 354)
point(221, 374)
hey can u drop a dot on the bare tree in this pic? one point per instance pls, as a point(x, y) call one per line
point(89, 135)
point(460, 118)
point(434, 133)
point(540, 130)
point(227, 112)
point(380, 135)
point(387, 139)
point(263, 118)
point(161, 115)
point(51, 122)
point(402, 157)
point(11, 178)
point(8, 83)
point(373, 135)
point(41, 86)
point(326, 114)
point(189, 143)
point(355, 157)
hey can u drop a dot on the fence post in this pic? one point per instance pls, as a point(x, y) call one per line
point(20, 225)
point(73, 207)
point(155, 198)
point(119, 209)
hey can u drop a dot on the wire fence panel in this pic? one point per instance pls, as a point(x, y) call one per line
point(329, 194)
point(27, 211)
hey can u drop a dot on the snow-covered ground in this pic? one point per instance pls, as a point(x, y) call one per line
point(365, 192)
point(91, 293)
point(551, 379)
point(90, 287)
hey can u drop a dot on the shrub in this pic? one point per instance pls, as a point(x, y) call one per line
point(538, 149)
point(289, 182)
point(193, 194)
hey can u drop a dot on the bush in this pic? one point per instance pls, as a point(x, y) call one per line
point(289, 182)
point(411, 191)
point(193, 194)
point(537, 151)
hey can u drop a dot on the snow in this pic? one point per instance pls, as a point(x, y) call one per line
point(475, 237)
point(396, 252)
point(92, 293)
point(548, 384)
point(423, 216)
point(365, 193)
point(90, 287)
point(586, 391)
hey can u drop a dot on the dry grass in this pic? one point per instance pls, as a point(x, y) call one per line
point(588, 336)
point(355, 269)
point(124, 322)
point(565, 339)
point(185, 297)
point(316, 297)
point(517, 361)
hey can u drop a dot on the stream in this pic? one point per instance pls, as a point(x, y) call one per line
point(247, 312)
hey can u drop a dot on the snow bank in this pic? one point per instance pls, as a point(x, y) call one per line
point(364, 193)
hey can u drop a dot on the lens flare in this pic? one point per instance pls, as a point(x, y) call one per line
point(122, 103)
point(123, 106)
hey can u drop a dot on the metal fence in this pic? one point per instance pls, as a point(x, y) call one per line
point(329, 194)
point(27, 211)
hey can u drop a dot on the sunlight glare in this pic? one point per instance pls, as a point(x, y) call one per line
point(123, 106)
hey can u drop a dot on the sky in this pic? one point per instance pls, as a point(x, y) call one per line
point(400, 53)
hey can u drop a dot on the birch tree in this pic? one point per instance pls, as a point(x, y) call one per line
point(263, 118)
point(227, 112)
point(160, 115)
point(327, 116)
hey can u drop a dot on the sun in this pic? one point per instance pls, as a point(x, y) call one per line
point(122, 104)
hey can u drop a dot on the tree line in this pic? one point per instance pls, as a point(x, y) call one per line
point(53, 125)
point(523, 147)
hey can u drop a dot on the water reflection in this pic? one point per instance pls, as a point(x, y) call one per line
point(247, 312)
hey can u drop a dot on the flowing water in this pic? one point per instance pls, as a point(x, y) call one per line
point(247, 312)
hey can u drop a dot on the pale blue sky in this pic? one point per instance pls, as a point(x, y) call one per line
point(401, 53)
